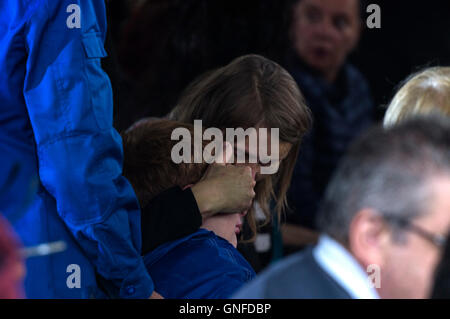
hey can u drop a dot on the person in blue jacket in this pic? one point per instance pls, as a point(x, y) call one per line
point(56, 123)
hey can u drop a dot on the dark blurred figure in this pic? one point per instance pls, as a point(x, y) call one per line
point(323, 33)
point(12, 268)
point(441, 288)
point(165, 44)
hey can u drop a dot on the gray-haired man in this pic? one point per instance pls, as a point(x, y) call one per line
point(383, 221)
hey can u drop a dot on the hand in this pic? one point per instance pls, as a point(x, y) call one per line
point(156, 295)
point(225, 188)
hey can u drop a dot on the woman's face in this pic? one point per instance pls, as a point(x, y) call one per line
point(250, 151)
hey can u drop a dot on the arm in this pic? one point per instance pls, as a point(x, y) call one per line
point(175, 213)
point(69, 102)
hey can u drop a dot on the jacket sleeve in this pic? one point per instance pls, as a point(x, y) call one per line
point(69, 101)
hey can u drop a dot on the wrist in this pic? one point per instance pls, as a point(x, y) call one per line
point(204, 196)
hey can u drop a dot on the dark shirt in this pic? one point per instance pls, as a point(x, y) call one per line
point(341, 111)
point(171, 215)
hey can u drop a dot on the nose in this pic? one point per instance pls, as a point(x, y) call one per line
point(326, 29)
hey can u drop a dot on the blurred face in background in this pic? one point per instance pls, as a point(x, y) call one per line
point(324, 32)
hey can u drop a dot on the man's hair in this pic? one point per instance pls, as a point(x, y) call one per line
point(387, 170)
point(148, 163)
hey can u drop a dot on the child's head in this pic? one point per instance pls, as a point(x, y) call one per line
point(252, 92)
point(149, 168)
point(422, 93)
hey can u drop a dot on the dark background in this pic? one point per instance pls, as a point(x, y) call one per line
point(160, 48)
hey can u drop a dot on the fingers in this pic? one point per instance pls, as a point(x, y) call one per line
point(234, 186)
point(225, 155)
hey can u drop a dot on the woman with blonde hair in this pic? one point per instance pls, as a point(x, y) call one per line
point(423, 93)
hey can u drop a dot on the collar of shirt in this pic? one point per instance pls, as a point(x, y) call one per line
point(343, 268)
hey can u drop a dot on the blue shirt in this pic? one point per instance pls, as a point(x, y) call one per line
point(199, 266)
point(56, 123)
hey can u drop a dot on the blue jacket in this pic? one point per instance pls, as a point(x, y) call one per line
point(56, 122)
point(199, 266)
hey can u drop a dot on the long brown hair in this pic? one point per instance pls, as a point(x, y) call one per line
point(251, 91)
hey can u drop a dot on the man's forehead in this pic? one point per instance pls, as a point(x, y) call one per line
point(342, 7)
point(439, 206)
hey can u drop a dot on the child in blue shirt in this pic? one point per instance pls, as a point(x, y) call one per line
point(205, 264)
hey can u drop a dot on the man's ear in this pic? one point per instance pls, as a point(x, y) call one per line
point(368, 235)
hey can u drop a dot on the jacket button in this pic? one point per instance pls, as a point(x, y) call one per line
point(130, 290)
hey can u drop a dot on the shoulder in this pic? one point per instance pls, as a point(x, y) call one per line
point(355, 77)
point(218, 255)
point(284, 278)
point(228, 255)
point(201, 266)
point(297, 277)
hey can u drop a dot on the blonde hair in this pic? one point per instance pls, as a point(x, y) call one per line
point(422, 93)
